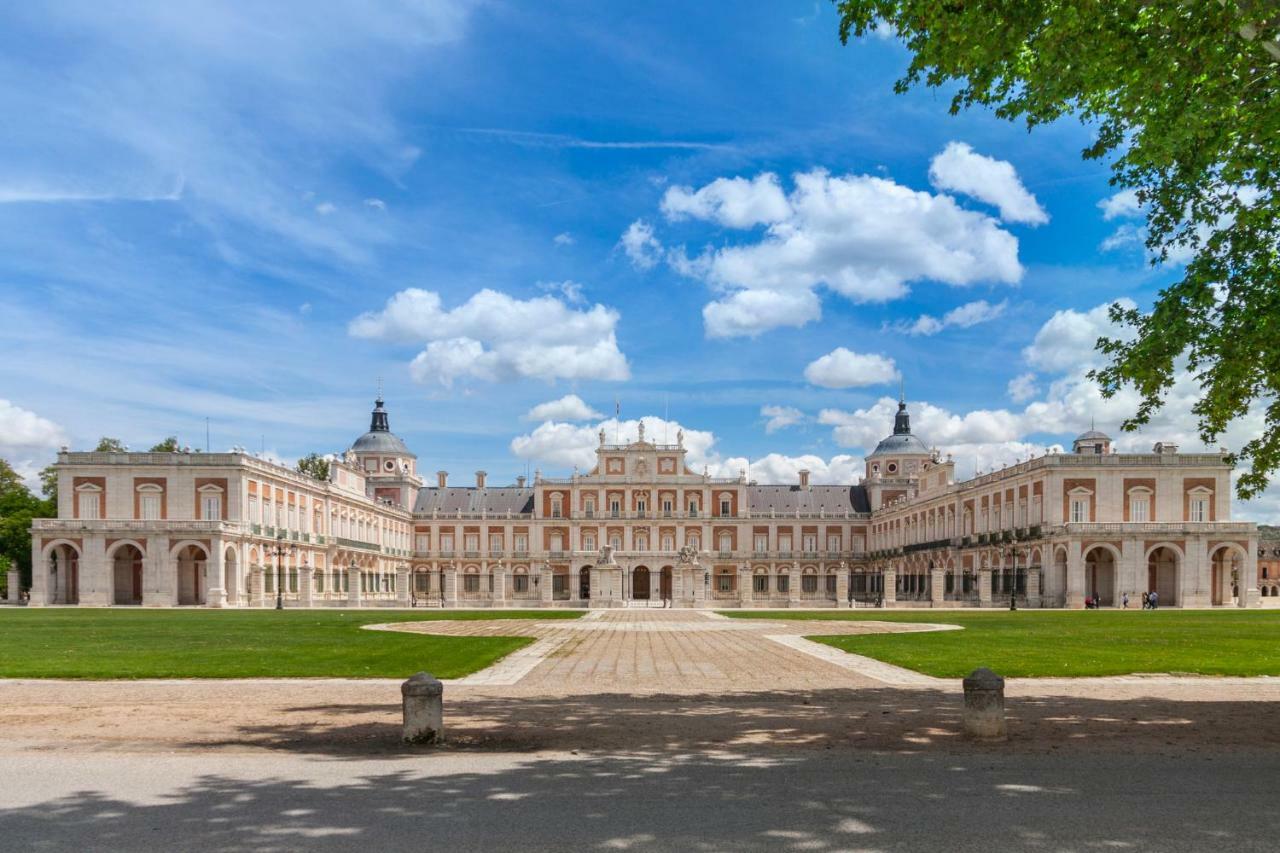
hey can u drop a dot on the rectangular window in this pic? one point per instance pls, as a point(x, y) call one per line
point(253, 510)
point(784, 544)
point(211, 507)
point(422, 543)
point(668, 543)
point(615, 508)
point(495, 543)
point(724, 508)
point(471, 542)
point(1079, 510)
point(1138, 510)
point(666, 508)
point(520, 583)
point(724, 582)
point(446, 543)
point(809, 583)
point(760, 584)
point(319, 576)
point(150, 506)
point(833, 543)
point(762, 543)
point(693, 509)
point(89, 504)
point(1199, 509)
point(588, 541)
point(810, 543)
point(784, 583)
point(522, 542)
point(471, 583)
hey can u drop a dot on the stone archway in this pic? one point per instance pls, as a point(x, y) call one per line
point(1100, 575)
point(62, 561)
point(1164, 569)
point(191, 561)
point(640, 583)
point(1226, 561)
point(126, 574)
point(231, 576)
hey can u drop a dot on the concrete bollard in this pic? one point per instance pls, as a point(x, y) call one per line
point(423, 696)
point(984, 705)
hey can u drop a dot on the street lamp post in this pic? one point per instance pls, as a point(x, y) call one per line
point(278, 551)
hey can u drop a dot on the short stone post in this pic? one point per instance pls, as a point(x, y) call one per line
point(984, 705)
point(423, 697)
point(15, 582)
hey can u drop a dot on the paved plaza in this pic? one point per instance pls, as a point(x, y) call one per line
point(642, 729)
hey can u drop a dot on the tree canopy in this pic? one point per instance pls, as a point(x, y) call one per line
point(314, 465)
point(18, 506)
point(169, 445)
point(1185, 99)
point(110, 445)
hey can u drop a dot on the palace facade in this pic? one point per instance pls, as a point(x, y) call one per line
point(233, 530)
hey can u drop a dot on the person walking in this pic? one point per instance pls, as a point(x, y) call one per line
point(1155, 600)
point(1124, 601)
point(1146, 600)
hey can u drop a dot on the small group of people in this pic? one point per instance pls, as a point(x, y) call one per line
point(1150, 601)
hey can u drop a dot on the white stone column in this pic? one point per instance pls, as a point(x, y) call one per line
point(699, 582)
point(306, 589)
point(655, 584)
point(15, 580)
point(215, 594)
point(1033, 586)
point(353, 586)
point(575, 584)
point(1196, 575)
point(257, 591)
point(744, 586)
point(1075, 574)
point(842, 587)
point(1128, 576)
point(547, 585)
point(890, 580)
point(938, 587)
point(984, 586)
point(498, 598)
point(1249, 595)
point(96, 573)
point(402, 586)
point(40, 586)
point(450, 579)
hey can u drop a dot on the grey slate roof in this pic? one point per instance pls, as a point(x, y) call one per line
point(787, 499)
point(899, 444)
point(382, 442)
point(495, 501)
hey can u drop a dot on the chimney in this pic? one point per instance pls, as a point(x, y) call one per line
point(480, 475)
point(804, 478)
point(520, 482)
point(442, 479)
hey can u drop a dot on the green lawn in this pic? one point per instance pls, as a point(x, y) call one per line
point(1039, 643)
point(124, 643)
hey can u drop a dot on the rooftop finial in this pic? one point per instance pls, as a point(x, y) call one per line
point(902, 389)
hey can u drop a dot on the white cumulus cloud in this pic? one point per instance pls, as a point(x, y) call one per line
point(780, 417)
point(735, 202)
point(496, 337)
point(958, 168)
point(28, 441)
point(842, 368)
point(865, 238)
point(1022, 388)
point(570, 407)
point(963, 317)
point(641, 246)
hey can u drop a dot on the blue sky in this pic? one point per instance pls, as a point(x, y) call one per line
point(714, 211)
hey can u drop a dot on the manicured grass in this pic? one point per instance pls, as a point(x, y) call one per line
point(1040, 643)
point(121, 643)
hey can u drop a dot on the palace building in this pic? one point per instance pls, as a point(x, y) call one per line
point(233, 530)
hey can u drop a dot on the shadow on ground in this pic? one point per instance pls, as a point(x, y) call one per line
point(866, 719)
point(710, 802)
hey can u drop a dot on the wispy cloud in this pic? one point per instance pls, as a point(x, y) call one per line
point(560, 140)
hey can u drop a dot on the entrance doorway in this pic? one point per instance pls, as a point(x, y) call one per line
point(191, 565)
point(1100, 576)
point(127, 576)
point(665, 583)
point(640, 583)
point(584, 583)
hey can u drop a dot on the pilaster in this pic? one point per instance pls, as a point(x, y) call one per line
point(1075, 575)
point(215, 592)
